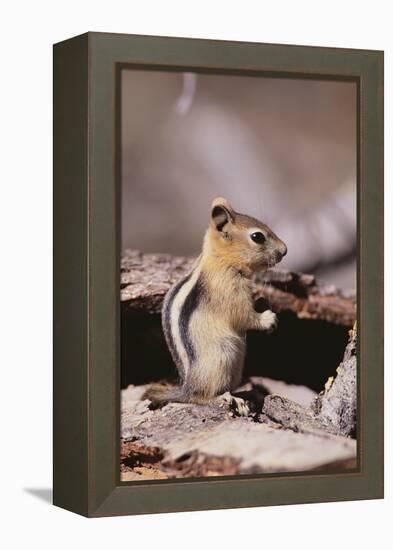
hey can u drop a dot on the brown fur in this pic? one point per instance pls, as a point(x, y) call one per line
point(223, 311)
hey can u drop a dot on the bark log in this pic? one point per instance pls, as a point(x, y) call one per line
point(291, 428)
point(145, 279)
point(333, 410)
point(337, 404)
point(185, 440)
point(303, 432)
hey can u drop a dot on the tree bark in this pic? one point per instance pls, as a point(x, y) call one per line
point(145, 279)
point(291, 428)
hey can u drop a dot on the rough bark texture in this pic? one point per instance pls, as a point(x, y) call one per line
point(333, 410)
point(290, 427)
point(336, 405)
point(145, 278)
point(182, 440)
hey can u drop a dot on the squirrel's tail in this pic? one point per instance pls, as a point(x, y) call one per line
point(161, 394)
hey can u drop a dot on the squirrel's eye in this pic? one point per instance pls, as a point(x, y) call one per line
point(258, 237)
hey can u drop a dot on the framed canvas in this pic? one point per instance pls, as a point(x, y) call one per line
point(191, 371)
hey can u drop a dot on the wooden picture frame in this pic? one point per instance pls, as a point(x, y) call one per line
point(86, 273)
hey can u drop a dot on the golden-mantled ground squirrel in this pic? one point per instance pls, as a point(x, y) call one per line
point(206, 314)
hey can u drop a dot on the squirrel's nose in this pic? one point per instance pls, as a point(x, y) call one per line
point(283, 250)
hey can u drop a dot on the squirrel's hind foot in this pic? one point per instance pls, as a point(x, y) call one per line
point(236, 405)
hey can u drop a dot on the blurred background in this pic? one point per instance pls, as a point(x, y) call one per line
point(282, 150)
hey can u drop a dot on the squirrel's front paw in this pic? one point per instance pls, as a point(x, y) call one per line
point(269, 320)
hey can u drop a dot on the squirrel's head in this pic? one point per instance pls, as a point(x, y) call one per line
point(242, 241)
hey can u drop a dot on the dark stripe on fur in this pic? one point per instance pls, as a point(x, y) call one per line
point(166, 323)
point(189, 306)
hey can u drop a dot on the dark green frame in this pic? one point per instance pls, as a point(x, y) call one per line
point(86, 273)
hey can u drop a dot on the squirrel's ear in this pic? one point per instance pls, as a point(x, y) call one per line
point(222, 213)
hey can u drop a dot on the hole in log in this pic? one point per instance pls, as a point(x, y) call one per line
point(299, 352)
